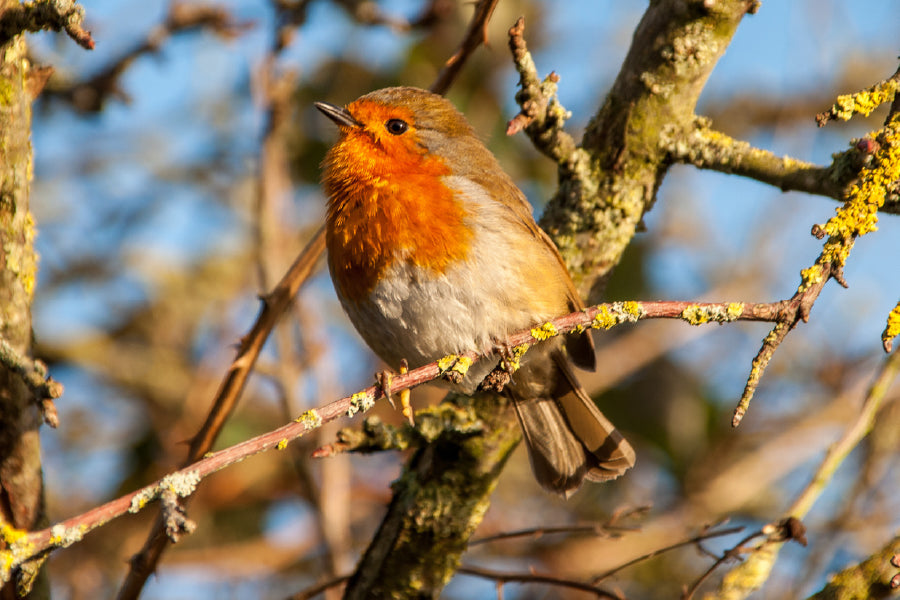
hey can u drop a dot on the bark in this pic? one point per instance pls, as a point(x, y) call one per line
point(21, 485)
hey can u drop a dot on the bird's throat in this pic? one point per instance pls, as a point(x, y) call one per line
point(386, 208)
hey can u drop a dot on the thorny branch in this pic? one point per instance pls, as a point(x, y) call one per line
point(273, 306)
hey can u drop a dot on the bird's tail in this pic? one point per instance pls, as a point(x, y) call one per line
point(567, 436)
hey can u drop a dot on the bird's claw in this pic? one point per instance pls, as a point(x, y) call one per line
point(384, 380)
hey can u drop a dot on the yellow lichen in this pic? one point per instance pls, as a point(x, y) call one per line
point(893, 326)
point(604, 319)
point(282, 444)
point(310, 419)
point(865, 101)
point(734, 310)
point(859, 213)
point(544, 332)
point(634, 309)
point(512, 362)
point(454, 362)
point(695, 315)
point(10, 534)
point(610, 315)
point(360, 402)
point(809, 277)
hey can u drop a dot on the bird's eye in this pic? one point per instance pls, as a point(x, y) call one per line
point(396, 126)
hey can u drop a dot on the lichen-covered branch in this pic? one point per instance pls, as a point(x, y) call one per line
point(862, 102)
point(706, 148)
point(608, 182)
point(542, 116)
point(40, 15)
point(871, 579)
point(21, 478)
point(34, 373)
point(892, 329)
point(878, 180)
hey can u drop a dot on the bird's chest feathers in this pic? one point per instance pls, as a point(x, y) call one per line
point(383, 209)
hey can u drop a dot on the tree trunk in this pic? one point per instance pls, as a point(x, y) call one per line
point(21, 485)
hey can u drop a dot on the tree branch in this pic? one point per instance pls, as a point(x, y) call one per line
point(461, 428)
point(41, 15)
point(34, 373)
point(751, 574)
point(476, 35)
point(91, 95)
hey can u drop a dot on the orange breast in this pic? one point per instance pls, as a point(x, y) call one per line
point(388, 203)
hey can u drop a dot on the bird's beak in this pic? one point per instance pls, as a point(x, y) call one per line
point(338, 114)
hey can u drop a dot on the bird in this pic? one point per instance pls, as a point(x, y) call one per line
point(433, 251)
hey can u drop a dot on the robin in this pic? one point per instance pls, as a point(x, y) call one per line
point(433, 250)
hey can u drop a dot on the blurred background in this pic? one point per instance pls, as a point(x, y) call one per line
point(154, 245)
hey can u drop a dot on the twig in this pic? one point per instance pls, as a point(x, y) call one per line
point(784, 530)
point(878, 179)
point(836, 454)
point(706, 148)
point(542, 116)
point(506, 577)
point(273, 306)
point(609, 528)
point(603, 316)
point(802, 304)
point(862, 102)
point(759, 563)
point(43, 388)
point(539, 532)
point(90, 96)
point(40, 15)
point(314, 591)
point(369, 13)
point(476, 35)
point(705, 535)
